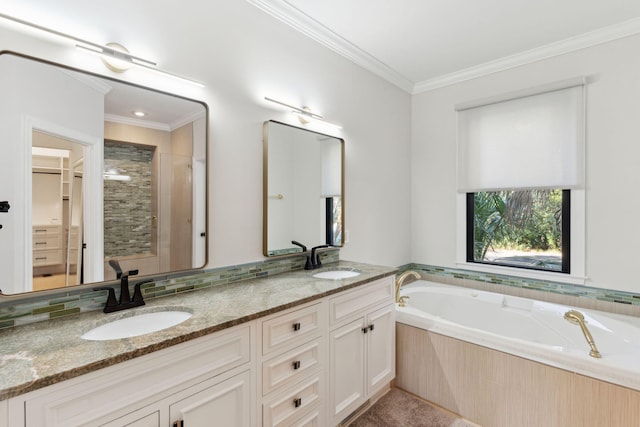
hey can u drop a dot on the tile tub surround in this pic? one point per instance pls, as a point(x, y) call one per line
point(611, 301)
point(17, 310)
point(40, 354)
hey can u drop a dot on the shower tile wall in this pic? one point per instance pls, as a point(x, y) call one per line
point(128, 203)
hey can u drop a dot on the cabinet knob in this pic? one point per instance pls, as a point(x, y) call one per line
point(296, 326)
point(296, 365)
point(371, 327)
point(297, 402)
point(365, 330)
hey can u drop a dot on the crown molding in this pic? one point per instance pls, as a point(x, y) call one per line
point(285, 12)
point(136, 122)
point(592, 38)
point(186, 120)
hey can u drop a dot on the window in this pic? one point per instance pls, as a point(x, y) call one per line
point(523, 229)
point(520, 174)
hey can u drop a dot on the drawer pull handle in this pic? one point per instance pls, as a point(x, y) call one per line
point(296, 326)
point(297, 402)
point(371, 327)
point(40, 258)
point(40, 230)
point(296, 365)
point(41, 243)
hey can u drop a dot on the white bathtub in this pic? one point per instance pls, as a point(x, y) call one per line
point(527, 328)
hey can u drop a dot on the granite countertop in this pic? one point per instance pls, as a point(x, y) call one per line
point(44, 353)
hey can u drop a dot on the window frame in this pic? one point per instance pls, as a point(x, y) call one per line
point(577, 242)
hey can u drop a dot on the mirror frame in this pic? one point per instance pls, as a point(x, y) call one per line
point(155, 276)
point(265, 185)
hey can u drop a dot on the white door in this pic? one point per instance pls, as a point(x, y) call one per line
point(225, 404)
point(381, 355)
point(347, 384)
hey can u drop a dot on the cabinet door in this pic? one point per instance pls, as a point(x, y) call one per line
point(347, 383)
point(381, 354)
point(137, 419)
point(225, 404)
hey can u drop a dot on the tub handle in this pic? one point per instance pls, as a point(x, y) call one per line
point(402, 301)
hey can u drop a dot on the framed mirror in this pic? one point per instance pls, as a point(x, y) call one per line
point(94, 170)
point(303, 189)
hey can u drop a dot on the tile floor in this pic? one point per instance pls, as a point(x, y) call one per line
point(401, 409)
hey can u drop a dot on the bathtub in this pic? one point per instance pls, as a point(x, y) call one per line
point(527, 328)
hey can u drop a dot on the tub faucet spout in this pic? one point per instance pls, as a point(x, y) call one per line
point(399, 281)
point(577, 318)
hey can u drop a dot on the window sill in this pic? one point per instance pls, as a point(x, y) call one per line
point(523, 273)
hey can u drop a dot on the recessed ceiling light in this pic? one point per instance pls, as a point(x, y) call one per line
point(139, 113)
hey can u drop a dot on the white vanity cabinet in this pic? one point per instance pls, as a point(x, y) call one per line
point(4, 417)
point(292, 364)
point(308, 366)
point(207, 378)
point(361, 346)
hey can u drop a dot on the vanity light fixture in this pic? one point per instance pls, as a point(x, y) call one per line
point(305, 115)
point(115, 56)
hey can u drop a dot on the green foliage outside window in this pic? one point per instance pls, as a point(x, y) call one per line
point(520, 220)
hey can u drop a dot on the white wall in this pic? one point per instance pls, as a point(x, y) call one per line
point(242, 55)
point(76, 112)
point(612, 152)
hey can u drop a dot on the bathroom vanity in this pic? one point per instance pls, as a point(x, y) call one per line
point(289, 349)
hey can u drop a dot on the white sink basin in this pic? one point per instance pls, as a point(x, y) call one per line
point(336, 274)
point(138, 324)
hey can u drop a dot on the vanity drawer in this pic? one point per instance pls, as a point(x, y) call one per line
point(47, 257)
point(43, 242)
point(292, 328)
point(351, 303)
point(125, 387)
point(293, 404)
point(291, 366)
point(46, 230)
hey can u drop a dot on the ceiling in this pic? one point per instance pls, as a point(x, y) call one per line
point(420, 45)
point(162, 111)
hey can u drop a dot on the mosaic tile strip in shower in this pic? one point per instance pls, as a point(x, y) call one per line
point(20, 310)
point(582, 291)
point(128, 212)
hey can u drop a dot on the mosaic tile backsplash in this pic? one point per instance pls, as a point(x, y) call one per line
point(531, 284)
point(17, 311)
point(21, 310)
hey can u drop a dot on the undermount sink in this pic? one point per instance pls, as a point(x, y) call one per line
point(336, 274)
point(137, 324)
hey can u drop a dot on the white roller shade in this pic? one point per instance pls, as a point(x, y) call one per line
point(532, 141)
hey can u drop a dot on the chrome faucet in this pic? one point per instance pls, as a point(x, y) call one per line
point(575, 317)
point(401, 300)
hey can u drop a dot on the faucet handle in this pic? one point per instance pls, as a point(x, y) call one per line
point(315, 257)
point(137, 292)
point(111, 297)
